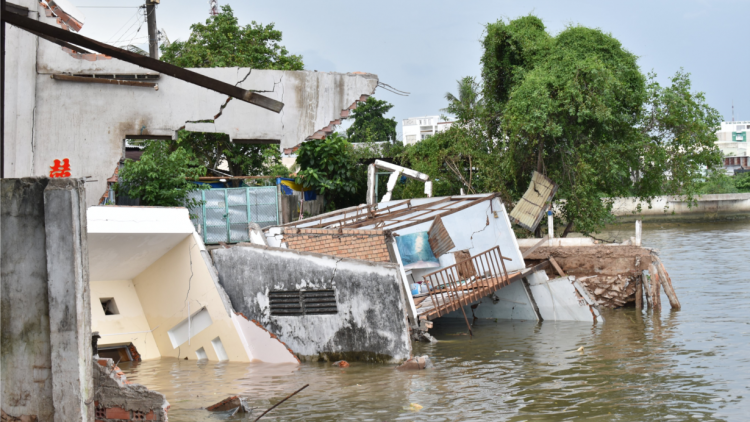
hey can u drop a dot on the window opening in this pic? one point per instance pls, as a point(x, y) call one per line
point(201, 354)
point(109, 306)
point(221, 353)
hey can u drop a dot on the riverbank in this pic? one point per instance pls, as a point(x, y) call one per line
point(672, 209)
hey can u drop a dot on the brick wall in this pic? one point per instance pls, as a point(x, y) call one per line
point(369, 245)
point(112, 389)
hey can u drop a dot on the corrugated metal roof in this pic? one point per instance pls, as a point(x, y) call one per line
point(530, 209)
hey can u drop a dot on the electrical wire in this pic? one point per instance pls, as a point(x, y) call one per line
point(123, 26)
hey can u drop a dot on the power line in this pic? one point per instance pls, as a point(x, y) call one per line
point(135, 15)
point(109, 7)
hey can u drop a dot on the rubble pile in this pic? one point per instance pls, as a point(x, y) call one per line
point(610, 291)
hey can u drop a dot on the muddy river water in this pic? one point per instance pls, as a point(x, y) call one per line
point(692, 364)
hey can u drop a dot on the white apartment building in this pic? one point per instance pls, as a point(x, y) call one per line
point(420, 128)
point(732, 138)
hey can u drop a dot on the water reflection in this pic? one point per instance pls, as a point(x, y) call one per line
point(684, 365)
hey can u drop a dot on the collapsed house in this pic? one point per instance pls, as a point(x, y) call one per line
point(365, 262)
point(154, 292)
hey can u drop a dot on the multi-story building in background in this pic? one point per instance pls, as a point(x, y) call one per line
point(420, 128)
point(732, 138)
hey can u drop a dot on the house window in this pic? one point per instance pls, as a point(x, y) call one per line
point(109, 306)
point(307, 302)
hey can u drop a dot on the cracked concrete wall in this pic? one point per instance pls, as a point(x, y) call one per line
point(86, 123)
point(370, 324)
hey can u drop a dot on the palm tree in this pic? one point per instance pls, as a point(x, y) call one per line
point(467, 105)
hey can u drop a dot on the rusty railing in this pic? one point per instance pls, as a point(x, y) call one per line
point(466, 281)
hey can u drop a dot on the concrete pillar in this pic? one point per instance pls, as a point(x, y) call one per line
point(45, 324)
point(638, 232)
point(372, 175)
point(69, 299)
point(24, 310)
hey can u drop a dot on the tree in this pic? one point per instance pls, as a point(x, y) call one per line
point(223, 42)
point(577, 108)
point(328, 166)
point(370, 123)
point(467, 105)
point(159, 178)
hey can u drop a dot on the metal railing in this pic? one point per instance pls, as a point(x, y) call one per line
point(467, 281)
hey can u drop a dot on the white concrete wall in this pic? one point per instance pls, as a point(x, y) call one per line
point(674, 207)
point(87, 123)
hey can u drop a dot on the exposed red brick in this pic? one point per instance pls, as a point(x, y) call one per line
point(117, 413)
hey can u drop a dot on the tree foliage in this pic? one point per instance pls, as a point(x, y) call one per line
point(328, 166)
point(576, 107)
point(370, 123)
point(223, 42)
point(159, 178)
point(468, 104)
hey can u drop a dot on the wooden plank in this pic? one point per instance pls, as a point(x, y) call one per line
point(177, 72)
point(557, 267)
point(639, 292)
point(654, 287)
point(666, 283)
point(535, 247)
point(69, 78)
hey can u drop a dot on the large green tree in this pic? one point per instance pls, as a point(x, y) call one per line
point(577, 107)
point(223, 42)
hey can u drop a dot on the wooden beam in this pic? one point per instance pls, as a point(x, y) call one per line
point(533, 248)
point(69, 78)
point(557, 267)
point(177, 72)
point(449, 212)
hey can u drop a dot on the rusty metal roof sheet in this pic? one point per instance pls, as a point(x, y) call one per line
point(530, 209)
point(440, 240)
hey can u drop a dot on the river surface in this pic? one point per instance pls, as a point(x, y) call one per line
point(692, 364)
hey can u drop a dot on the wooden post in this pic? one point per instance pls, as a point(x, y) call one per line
point(646, 288)
point(639, 292)
point(666, 282)
point(655, 290)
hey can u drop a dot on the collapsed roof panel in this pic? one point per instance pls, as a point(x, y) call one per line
point(530, 209)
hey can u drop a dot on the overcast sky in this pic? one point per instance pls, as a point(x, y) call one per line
point(424, 47)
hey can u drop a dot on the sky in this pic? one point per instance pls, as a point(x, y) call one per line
point(425, 47)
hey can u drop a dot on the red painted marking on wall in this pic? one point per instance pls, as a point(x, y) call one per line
point(60, 169)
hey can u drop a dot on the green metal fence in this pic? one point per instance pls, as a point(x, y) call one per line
point(224, 214)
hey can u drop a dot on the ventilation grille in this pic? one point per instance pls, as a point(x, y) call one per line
point(298, 303)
